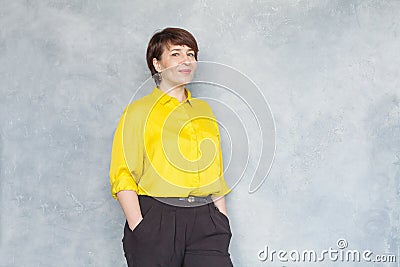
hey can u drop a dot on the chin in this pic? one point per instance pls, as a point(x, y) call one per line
point(183, 81)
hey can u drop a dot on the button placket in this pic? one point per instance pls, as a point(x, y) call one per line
point(195, 152)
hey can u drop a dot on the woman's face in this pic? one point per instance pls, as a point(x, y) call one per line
point(177, 65)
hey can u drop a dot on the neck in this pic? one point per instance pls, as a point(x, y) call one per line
point(175, 91)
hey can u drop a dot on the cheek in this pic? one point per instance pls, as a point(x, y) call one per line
point(170, 62)
point(170, 73)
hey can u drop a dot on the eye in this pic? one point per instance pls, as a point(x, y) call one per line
point(191, 54)
point(175, 54)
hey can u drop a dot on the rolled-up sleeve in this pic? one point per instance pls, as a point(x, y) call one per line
point(127, 154)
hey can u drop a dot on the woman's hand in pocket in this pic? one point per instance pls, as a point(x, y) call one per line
point(132, 225)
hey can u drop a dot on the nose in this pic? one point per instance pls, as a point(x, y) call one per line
point(185, 60)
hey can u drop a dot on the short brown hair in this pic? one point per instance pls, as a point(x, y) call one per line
point(165, 38)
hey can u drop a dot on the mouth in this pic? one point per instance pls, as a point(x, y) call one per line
point(185, 71)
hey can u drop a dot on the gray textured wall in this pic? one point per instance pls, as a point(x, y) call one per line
point(329, 69)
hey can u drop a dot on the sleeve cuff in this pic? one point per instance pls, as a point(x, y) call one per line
point(125, 183)
point(224, 190)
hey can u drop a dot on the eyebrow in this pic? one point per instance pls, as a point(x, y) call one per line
point(179, 49)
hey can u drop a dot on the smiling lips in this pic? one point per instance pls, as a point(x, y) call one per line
point(185, 71)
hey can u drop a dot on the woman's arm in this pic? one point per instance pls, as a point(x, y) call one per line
point(220, 204)
point(130, 205)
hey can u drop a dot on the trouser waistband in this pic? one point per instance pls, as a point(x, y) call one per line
point(190, 201)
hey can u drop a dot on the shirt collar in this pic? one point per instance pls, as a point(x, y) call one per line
point(163, 98)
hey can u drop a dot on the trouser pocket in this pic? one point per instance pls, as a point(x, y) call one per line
point(151, 243)
point(223, 219)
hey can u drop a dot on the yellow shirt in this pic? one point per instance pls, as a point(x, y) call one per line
point(165, 148)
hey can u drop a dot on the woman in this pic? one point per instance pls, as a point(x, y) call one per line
point(166, 167)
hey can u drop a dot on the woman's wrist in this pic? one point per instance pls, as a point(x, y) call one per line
point(219, 202)
point(133, 223)
point(130, 205)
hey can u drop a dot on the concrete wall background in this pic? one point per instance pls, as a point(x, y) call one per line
point(329, 69)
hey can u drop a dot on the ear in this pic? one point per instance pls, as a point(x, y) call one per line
point(157, 65)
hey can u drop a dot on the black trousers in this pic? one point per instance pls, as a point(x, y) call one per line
point(172, 236)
